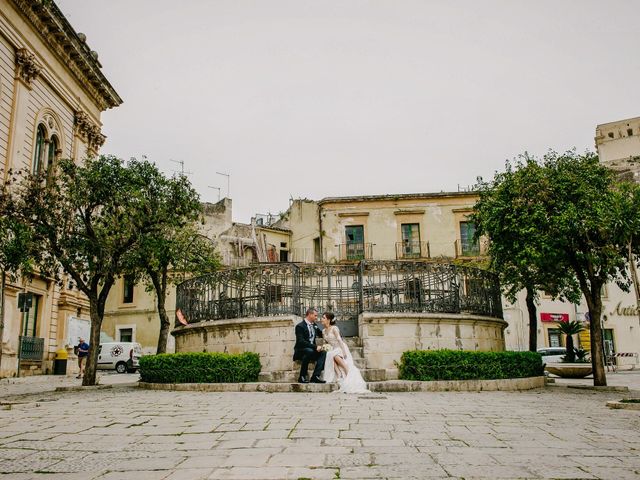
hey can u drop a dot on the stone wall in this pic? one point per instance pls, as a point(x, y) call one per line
point(271, 337)
point(385, 336)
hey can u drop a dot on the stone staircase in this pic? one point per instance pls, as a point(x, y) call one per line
point(357, 351)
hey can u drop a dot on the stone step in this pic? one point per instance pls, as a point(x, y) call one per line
point(291, 376)
point(353, 342)
point(357, 352)
point(374, 374)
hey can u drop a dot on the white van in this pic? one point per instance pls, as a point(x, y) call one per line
point(121, 356)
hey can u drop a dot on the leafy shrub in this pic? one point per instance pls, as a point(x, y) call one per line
point(460, 365)
point(196, 367)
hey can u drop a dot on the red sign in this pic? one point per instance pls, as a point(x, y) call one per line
point(554, 317)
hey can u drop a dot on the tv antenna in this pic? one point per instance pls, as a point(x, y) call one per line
point(215, 188)
point(181, 163)
point(228, 175)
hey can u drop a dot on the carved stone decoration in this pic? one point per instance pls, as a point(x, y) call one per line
point(27, 66)
point(88, 131)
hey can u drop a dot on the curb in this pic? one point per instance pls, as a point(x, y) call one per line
point(81, 388)
point(512, 384)
point(603, 388)
point(617, 405)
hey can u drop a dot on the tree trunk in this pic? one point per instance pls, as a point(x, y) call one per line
point(2, 287)
point(595, 329)
point(160, 286)
point(94, 342)
point(533, 319)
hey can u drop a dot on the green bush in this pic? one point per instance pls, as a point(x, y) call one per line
point(196, 367)
point(459, 365)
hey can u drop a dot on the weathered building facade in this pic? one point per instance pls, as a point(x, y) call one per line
point(52, 93)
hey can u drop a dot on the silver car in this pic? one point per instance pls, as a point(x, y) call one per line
point(552, 354)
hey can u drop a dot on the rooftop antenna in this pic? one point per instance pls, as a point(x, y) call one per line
point(228, 175)
point(181, 172)
point(215, 188)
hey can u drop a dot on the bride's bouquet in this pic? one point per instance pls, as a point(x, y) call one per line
point(326, 347)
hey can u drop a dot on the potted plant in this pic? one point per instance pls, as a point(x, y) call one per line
point(569, 369)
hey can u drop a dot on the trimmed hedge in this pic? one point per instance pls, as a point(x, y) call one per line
point(197, 367)
point(427, 365)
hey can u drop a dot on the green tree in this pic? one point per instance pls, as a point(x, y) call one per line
point(90, 218)
point(168, 256)
point(570, 329)
point(584, 224)
point(510, 213)
point(16, 247)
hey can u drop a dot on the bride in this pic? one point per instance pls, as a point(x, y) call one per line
point(339, 364)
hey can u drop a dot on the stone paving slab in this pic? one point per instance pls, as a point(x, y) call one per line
point(131, 433)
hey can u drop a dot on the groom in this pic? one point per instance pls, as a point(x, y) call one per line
point(305, 348)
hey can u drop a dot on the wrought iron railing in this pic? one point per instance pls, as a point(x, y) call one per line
point(413, 249)
point(346, 289)
point(31, 348)
point(355, 252)
point(467, 248)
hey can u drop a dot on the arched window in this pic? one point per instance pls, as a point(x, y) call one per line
point(38, 156)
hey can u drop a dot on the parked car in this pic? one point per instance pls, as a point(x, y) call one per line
point(552, 354)
point(119, 356)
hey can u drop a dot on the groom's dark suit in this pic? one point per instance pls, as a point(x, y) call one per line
point(305, 350)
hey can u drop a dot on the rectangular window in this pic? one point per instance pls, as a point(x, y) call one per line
point(410, 240)
point(127, 296)
point(317, 253)
point(126, 334)
point(284, 255)
point(355, 242)
point(468, 246)
point(30, 318)
point(555, 337)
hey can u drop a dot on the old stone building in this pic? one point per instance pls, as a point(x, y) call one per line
point(52, 93)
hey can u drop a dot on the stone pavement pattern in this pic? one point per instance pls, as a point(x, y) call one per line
point(129, 433)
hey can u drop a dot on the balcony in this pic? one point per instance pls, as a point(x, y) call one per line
point(354, 252)
point(468, 248)
point(414, 249)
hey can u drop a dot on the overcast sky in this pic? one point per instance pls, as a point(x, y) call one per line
point(322, 98)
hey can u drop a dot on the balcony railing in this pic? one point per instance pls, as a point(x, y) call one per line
point(347, 290)
point(467, 248)
point(353, 252)
point(415, 249)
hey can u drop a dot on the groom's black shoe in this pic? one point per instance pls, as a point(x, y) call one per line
point(316, 379)
point(303, 380)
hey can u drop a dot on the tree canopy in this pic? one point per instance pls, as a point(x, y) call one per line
point(93, 215)
point(168, 256)
point(563, 224)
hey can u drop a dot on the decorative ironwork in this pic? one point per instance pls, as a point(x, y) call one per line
point(31, 348)
point(355, 251)
point(412, 249)
point(345, 289)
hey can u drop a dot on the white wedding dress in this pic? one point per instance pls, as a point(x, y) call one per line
point(353, 383)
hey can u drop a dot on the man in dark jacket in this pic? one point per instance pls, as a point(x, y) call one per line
point(306, 350)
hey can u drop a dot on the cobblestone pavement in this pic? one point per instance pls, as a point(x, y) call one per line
point(129, 433)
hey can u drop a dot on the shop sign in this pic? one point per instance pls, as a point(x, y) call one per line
point(554, 317)
point(625, 311)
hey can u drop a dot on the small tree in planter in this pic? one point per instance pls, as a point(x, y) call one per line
point(570, 329)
